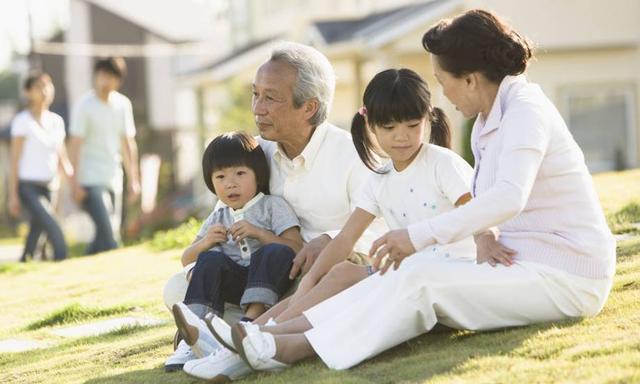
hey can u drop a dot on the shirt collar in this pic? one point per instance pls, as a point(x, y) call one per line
point(248, 205)
point(492, 121)
point(310, 151)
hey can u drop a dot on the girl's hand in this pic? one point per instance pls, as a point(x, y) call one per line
point(243, 229)
point(489, 250)
point(14, 206)
point(395, 245)
point(217, 233)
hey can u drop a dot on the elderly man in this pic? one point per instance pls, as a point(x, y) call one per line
point(313, 164)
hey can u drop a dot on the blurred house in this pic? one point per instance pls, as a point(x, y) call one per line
point(157, 39)
point(588, 55)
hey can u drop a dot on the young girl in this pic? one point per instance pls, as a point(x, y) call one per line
point(37, 153)
point(420, 181)
point(245, 248)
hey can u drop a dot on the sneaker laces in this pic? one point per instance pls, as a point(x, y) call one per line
point(220, 353)
point(183, 348)
point(264, 346)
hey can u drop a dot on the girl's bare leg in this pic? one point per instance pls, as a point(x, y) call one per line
point(339, 278)
point(273, 312)
point(298, 325)
point(293, 348)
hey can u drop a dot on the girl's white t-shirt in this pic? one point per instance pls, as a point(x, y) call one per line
point(39, 158)
point(429, 186)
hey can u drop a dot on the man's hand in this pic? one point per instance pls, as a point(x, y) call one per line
point(308, 255)
point(134, 192)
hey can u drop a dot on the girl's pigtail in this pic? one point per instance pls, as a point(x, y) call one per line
point(440, 129)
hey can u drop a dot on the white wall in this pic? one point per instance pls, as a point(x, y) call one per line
point(79, 76)
point(160, 80)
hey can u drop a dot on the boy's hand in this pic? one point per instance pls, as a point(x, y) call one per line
point(243, 229)
point(217, 233)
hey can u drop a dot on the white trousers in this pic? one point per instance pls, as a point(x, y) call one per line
point(383, 311)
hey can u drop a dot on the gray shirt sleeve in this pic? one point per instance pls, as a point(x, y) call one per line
point(282, 215)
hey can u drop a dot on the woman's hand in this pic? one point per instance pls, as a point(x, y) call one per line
point(489, 250)
point(14, 206)
point(395, 245)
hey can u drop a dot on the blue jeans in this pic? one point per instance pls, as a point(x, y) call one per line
point(96, 206)
point(41, 220)
point(217, 279)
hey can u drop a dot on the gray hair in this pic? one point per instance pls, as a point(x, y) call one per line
point(315, 79)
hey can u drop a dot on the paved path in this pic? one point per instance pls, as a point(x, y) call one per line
point(10, 252)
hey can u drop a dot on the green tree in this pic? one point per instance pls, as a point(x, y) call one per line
point(236, 115)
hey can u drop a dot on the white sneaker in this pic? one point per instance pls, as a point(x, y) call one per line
point(220, 330)
point(219, 367)
point(194, 331)
point(270, 323)
point(180, 356)
point(256, 348)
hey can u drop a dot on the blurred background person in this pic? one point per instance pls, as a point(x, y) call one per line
point(37, 152)
point(102, 140)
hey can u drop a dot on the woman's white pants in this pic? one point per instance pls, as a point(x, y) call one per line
point(383, 311)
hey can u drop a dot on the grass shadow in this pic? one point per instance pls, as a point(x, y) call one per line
point(418, 360)
point(75, 313)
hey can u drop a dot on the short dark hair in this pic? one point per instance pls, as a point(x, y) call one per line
point(235, 149)
point(113, 65)
point(32, 77)
point(478, 40)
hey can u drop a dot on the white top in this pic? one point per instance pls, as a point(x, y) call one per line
point(532, 182)
point(321, 182)
point(102, 126)
point(39, 159)
point(429, 186)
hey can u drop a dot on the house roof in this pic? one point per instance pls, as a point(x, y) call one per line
point(174, 21)
point(248, 54)
point(375, 29)
point(378, 28)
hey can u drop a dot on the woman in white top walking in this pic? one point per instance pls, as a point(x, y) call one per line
point(37, 152)
point(534, 213)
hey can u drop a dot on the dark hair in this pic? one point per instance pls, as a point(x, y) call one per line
point(33, 77)
point(480, 41)
point(396, 95)
point(113, 65)
point(235, 149)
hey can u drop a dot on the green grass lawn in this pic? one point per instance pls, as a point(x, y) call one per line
point(38, 297)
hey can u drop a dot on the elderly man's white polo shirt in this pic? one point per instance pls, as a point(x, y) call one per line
point(321, 183)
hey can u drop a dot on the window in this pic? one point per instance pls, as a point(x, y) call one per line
point(602, 121)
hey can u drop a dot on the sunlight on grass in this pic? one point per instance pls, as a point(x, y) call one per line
point(75, 313)
point(623, 220)
point(602, 349)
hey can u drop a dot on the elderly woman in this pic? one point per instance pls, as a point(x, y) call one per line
point(535, 216)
